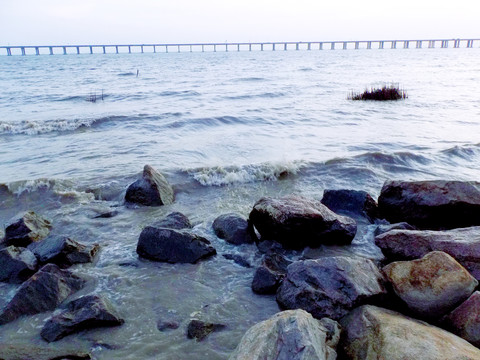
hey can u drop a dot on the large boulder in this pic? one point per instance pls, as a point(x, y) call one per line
point(44, 291)
point(174, 220)
point(173, 246)
point(297, 222)
point(234, 229)
point(63, 251)
point(431, 204)
point(84, 313)
point(353, 203)
point(29, 228)
point(151, 190)
point(465, 319)
point(330, 286)
point(289, 335)
point(463, 244)
point(370, 332)
point(269, 275)
point(431, 286)
point(17, 264)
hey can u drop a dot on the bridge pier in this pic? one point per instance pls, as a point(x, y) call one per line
point(9, 51)
point(214, 48)
point(406, 44)
point(456, 43)
point(394, 44)
point(332, 46)
point(381, 44)
point(419, 44)
point(166, 48)
point(64, 50)
point(309, 46)
point(297, 46)
point(469, 43)
point(261, 47)
point(357, 45)
point(23, 51)
point(320, 46)
point(273, 47)
point(285, 47)
point(238, 47)
point(344, 45)
point(129, 49)
point(78, 50)
point(51, 50)
point(203, 48)
point(178, 48)
point(91, 49)
point(37, 51)
point(249, 47)
point(431, 44)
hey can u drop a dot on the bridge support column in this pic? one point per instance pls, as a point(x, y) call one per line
point(406, 43)
point(297, 46)
point(214, 48)
point(357, 44)
point(37, 51)
point(344, 45)
point(320, 46)
point(273, 47)
point(91, 49)
point(154, 49)
point(178, 48)
point(261, 47)
point(419, 44)
point(369, 45)
point(203, 48)
point(249, 47)
point(51, 50)
point(431, 44)
point(456, 44)
point(332, 46)
point(23, 51)
point(129, 49)
point(238, 47)
point(309, 46)
point(191, 50)
point(381, 44)
point(9, 51)
point(469, 43)
point(394, 44)
point(166, 48)
point(64, 50)
point(285, 46)
point(78, 50)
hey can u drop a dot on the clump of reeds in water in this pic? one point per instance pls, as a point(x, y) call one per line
point(387, 92)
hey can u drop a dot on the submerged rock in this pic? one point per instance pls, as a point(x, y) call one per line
point(432, 285)
point(330, 286)
point(84, 313)
point(370, 332)
point(151, 190)
point(16, 264)
point(200, 330)
point(174, 220)
point(21, 350)
point(238, 259)
point(44, 291)
point(29, 228)
point(234, 229)
point(431, 204)
point(270, 274)
point(297, 222)
point(383, 228)
point(289, 335)
point(352, 203)
point(173, 246)
point(465, 319)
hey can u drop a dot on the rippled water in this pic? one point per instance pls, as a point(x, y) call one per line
point(225, 129)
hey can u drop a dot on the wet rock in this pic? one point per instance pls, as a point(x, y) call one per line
point(16, 264)
point(29, 228)
point(465, 320)
point(330, 286)
point(431, 286)
point(289, 335)
point(174, 220)
point(44, 291)
point(170, 324)
point(431, 204)
point(297, 222)
point(151, 190)
point(84, 313)
point(107, 215)
point(237, 259)
point(234, 229)
point(270, 274)
point(199, 330)
point(173, 246)
point(10, 350)
point(383, 228)
point(353, 203)
point(63, 251)
point(370, 332)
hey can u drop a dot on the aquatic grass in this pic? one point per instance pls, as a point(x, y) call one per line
point(387, 92)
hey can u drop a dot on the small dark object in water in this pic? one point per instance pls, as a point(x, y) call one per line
point(390, 92)
point(199, 330)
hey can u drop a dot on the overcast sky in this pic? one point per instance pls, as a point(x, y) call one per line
point(35, 22)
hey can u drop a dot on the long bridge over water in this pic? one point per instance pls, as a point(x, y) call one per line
point(235, 46)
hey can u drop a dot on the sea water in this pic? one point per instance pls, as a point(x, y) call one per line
point(225, 129)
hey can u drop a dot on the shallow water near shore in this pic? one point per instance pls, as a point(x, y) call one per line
point(225, 129)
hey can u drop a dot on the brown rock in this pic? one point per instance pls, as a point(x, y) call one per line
point(151, 190)
point(465, 319)
point(29, 228)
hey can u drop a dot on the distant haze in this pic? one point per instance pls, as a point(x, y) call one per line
point(36, 22)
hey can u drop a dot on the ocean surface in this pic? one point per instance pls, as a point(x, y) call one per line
point(225, 129)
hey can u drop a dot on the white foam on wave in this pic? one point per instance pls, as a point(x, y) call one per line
point(33, 127)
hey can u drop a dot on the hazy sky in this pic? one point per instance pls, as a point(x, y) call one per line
point(35, 22)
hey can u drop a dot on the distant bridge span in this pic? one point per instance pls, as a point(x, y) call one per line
point(235, 46)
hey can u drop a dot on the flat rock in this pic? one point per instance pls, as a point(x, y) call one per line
point(199, 330)
point(353, 203)
point(431, 286)
point(174, 220)
point(465, 319)
point(370, 332)
point(84, 313)
point(330, 286)
point(63, 251)
point(22, 350)
point(173, 246)
point(234, 229)
point(297, 222)
point(44, 291)
point(383, 228)
point(289, 335)
point(29, 228)
point(151, 190)
point(17, 264)
point(431, 204)
point(269, 275)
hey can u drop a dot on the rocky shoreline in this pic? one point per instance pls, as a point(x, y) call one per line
point(419, 302)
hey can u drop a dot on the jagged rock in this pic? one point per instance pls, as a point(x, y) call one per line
point(234, 229)
point(44, 291)
point(173, 246)
point(270, 274)
point(330, 286)
point(431, 204)
point(431, 286)
point(200, 330)
point(174, 220)
point(63, 251)
point(29, 228)
point(16, 264)
point(297, 222)
point(289, 335)
point(465, 319)
point(353, 203)
point(383, 228)
point(370, 332)
point(238, 259)
point(151, 190)
point(22, 350)
point(84, 313)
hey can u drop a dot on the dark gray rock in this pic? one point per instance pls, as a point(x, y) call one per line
point(63, 251)
point(199, 330)
point(433, 205)
point(44, 291)
point(331, 286)
point(107, 215)
point(84, 313)
point(169, 324)
point(234, 229)
point(238, 259)
point(29, 228)
point(352, 203)
point(270, 274)
point(174, 220)
point(383, 228)
point(151, 190)
point(173, 246)
point(16, 264)
point(297, 222)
